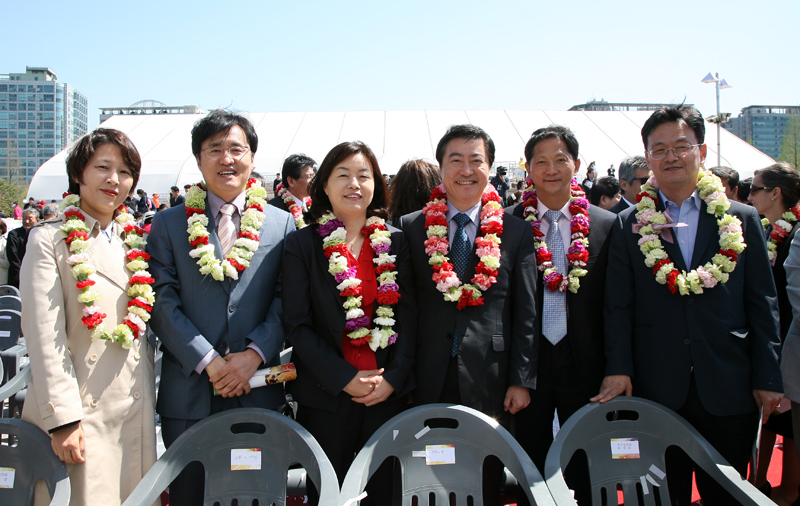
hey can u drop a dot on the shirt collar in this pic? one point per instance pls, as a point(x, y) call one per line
point(695, 199)
point(215, 203)
point(628, 201)
point(473, 213)
point(543, 209)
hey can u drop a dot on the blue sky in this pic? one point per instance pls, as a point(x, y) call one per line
point(356, 55)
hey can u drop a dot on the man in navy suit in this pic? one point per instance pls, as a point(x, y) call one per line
point(296, 174)
point(215, 333)
point(633, 173)
point(710, 355)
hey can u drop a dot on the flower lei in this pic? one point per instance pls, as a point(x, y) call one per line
point(294, 207)
point(731, 241)
point(245, 245)
point(780, 231)
point(488, 248)
point(357, 325)
point(133, 325)
point(577, 253)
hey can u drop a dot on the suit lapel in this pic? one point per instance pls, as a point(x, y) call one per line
point(213, 239)
point(707, 237)
point(106, 257)
point(671, 248)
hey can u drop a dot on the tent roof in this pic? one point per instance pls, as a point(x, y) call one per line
point(164, 141)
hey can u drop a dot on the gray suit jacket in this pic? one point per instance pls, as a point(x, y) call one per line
point(195, 313)
point(790, 360)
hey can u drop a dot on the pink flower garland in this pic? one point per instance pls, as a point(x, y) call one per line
point(487, 248)
point(577, 253)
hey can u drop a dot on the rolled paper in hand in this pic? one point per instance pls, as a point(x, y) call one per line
point(271, 376)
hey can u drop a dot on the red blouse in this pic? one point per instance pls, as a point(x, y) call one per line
point(362, 357)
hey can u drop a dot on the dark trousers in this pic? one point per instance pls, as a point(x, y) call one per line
point(492, 466)
point(342, 434)
point(189, 487)
point(558, 390)
point(731, 436)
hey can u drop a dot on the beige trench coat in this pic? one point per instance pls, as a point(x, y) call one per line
point(109, 389)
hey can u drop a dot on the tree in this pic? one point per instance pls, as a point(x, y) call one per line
point(9, 193)
point(790, 148)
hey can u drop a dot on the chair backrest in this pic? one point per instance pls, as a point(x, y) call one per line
point(625, 441)
point(225, 448)
point(422, 436)
point(11, 302)
point(18, 382)
point(10, 327)
point(26, 450)
point(9, 290)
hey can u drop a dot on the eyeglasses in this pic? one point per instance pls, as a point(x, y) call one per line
point(754, 188)
point(680, 151)
point(236, 152)
point(642, 180)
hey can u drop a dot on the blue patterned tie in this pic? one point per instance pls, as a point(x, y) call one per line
point(554, 315)
point(459, 256)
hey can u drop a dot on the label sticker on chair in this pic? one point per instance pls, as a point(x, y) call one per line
point(5, 333)
point(421, 433)
point(7, 477)
point(625, 448)
point(5, 317)
point(658, 472)
point(421, 453)
point(394, 434)
point(643, 481)
point(246, 459)
point(437, 455)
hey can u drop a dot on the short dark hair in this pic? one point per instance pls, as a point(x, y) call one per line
point(3, 227)
point(82, 152)
point(468, 132)
point(412, 187)
point(726, 174)
point(629, 166)
point(175, 189)
point(782, 175)
point(605, 186)
point(674, 114)
point(293, 165)
point(743, 189)
point(550, 132)
point(140, 192)
point(221, 121)
point(340, 152)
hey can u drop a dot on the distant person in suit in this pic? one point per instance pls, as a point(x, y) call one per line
point(353, 358)
point(699, 292)
point(218, 304)
point(570, 299)
point(775, 193)
point(175, 197)
point(412, 186)
point(730, 180)
point(3, 256)
point(591, 175)
point(477, 342)
point(606, 193)
point(292, 191)
point(633, 173)
point(18, 241)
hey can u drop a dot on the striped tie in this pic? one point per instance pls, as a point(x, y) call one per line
point(460, 251)
point(226, 229)
point(554, 317)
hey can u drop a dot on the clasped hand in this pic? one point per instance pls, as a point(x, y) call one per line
point(231, 374)
point(369, 387)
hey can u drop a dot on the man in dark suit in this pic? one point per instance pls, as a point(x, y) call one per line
point(216, 329)
point(18, 242)
point(175, 197)
point(297, 171)
point(482, 356)
point(711, 354)
point(571, 347)
point(633, 173)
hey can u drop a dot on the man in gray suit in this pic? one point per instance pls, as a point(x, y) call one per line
point(216, 328)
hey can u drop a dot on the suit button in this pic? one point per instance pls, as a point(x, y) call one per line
point(686, 341)
point(136, 356)
point(690, 301)
point(93, 358)
point(231, 309)
point(50, 408)
point(94, 403)
point(136, 395)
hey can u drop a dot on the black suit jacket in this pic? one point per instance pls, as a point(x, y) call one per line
point(279, 203)
point(498, 339)
point(779, 274)
point(621, 206)
point(727, 336)
point(314, 320)
point(15, 251)
point(585, 308)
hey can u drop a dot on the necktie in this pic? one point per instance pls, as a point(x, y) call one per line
point(459, 255)
point(554, 314)
point(226, 229)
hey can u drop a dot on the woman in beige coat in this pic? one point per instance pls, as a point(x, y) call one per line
point(92, 391)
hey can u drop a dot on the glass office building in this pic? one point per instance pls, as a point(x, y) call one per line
point(39, 117)
point(762, 126)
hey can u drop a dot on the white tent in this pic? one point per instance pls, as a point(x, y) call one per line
point(164, 141)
